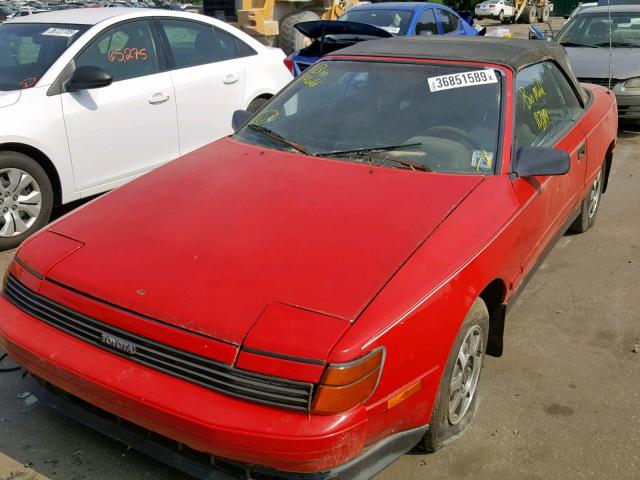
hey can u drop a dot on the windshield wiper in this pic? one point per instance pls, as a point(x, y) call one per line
point(361, 151)
point(406, 163)
point(573, 44)
point(276, 136)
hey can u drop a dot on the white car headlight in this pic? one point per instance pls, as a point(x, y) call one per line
point(632, 83)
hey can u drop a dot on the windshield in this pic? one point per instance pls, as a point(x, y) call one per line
point(395, 22)
point(592, 30)
point(27, 50)
point(440, 118)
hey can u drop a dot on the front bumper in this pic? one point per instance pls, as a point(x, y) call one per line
point(204, 466)
point(205, 420)
point(628, 106)
point(289, 444)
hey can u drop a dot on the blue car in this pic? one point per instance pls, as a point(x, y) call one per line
point(377, 20)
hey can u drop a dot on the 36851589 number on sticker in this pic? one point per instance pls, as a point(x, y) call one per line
point(463, 79)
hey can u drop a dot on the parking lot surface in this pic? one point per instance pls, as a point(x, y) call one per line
point(562, 403)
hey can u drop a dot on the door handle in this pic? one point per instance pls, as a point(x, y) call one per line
point(230, 79)
point(158, 98)
point(582, 152)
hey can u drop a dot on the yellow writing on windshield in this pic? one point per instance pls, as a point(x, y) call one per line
point(314, 77)
point(533, 96)
point(542, 119)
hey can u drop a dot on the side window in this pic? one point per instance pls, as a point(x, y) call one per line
point(450, 23)
point(541, 109)
point(230, 46)
point(191, 43)
point(124, 51)
point(571, 99)
point(427, 23)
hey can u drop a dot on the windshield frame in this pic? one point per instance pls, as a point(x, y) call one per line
point(505, 81)
point(82, 30)
point(587, 12)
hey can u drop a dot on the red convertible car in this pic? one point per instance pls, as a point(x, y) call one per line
point(314, 296)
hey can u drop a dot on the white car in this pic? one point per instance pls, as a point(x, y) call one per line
point(500, 9)
point(92, 98)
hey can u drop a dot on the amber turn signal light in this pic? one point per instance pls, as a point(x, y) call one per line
point(346, 385)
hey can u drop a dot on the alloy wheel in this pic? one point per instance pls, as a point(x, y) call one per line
point(20, 202)
point(594, 195)
point(464, 379)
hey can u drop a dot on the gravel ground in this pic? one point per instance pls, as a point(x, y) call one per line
point(562, 403)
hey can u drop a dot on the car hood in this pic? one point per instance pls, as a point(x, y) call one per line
point(318, 28)
point(208, 241)
point(594, 62)
point(9, 98)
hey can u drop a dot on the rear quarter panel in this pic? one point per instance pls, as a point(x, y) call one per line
point(600, 125)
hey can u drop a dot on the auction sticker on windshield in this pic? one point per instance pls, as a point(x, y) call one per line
point(60, 32)
point(464, 79)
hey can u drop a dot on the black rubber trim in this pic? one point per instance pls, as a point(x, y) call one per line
point(202, 466)
point(283, 356)
point(29, 269)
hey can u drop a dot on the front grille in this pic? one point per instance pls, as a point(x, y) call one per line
point(599, 81)
point(177, 363)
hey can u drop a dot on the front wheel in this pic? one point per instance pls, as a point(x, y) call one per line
point(590, 206)
point(26, 198)
point(501, 16)
point(457, 399)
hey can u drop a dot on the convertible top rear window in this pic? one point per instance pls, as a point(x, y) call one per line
point(430, 117)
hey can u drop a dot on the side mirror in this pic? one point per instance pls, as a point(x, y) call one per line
point(88, 77)
point(540, 161)
point(239, 119)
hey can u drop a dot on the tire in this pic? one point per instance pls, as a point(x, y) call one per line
point(545, 15)
point(290, 40)
point(529, 15)
point(590, 206)
point(22, 210)
point(501, 16)
point(446, 426)
point(256, 104)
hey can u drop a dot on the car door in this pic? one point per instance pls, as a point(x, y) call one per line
point(545, 117)
point(449, 22)
point(130, 126)
point(208, 77)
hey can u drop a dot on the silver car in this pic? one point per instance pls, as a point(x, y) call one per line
point(586, 38)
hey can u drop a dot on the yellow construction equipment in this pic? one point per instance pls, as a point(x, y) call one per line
point(532, 11)
point(273, 20)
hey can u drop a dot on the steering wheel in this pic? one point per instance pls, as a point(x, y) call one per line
point(452, 133)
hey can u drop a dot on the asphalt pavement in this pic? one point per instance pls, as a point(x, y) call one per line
point(562, 403)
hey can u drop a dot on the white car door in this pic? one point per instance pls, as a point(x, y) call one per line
point(130, 126)
point(208, 73)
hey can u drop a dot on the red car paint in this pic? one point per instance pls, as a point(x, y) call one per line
point(287, 257)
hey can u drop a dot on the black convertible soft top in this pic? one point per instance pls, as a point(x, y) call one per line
point(512, 53)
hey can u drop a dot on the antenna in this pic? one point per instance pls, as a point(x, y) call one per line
point(610, 43)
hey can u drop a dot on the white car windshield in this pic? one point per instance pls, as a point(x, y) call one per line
point(592, 30)
point(27, 50)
